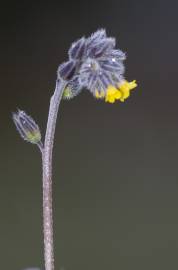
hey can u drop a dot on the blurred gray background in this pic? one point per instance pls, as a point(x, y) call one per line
point(115, 166)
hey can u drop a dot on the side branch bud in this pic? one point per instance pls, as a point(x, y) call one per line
point(27, 128)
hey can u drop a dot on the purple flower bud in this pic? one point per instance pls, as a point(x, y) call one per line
point(118, 54)
point(77, 49)
point(96, 37)
point(67, 70)
point(99, 48)
point(112, 65)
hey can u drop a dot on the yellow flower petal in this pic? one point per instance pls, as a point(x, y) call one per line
point(125, 88)
point(111, 99)
point(132, 84)
point(112, 94)
point(118, 94)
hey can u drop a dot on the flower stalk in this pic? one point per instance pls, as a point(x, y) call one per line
point(47, 175)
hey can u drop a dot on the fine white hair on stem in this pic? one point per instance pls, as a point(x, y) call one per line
point(47, 175)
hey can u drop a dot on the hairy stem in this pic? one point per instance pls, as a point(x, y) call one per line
point(47, 175)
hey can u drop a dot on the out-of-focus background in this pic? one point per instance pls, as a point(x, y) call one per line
point(115, 166)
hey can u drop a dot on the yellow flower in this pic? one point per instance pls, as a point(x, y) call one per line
point(125, 88)
point(112, 94)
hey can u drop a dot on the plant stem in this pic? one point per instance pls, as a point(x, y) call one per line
point(47, 175)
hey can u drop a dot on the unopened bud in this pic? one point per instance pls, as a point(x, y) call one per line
point(67, 93)
point(27, 127)
point(77, 49)
point(72, 89)
point(66, 70)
